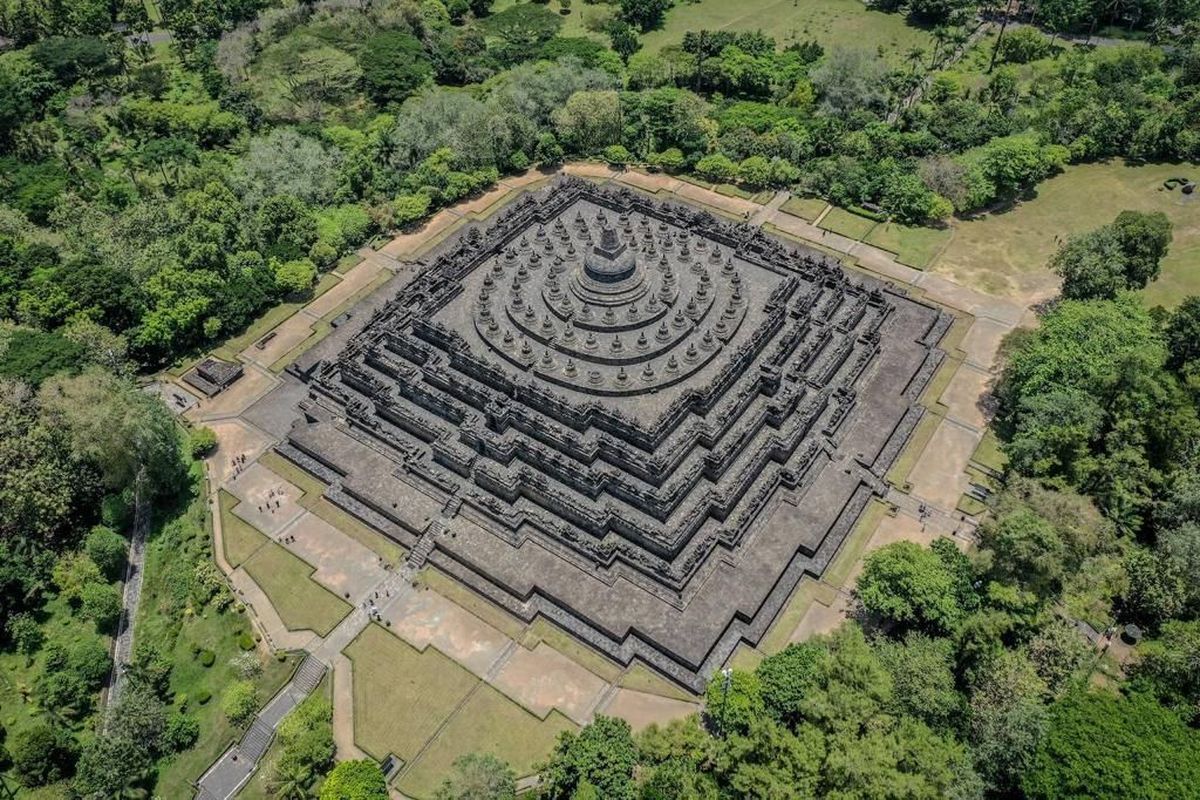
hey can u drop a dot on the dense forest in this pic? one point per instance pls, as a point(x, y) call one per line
point(169, 170)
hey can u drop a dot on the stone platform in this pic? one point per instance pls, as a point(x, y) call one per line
point(636, 420)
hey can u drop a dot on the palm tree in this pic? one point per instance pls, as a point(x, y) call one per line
point(914, 56)
point(1000, 37)
point(293, 782)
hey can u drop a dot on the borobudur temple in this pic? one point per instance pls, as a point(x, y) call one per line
point(629, 417)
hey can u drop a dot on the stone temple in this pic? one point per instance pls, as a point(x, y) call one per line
point(633, 419)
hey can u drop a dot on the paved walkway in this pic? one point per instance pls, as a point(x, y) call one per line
point(131, 597)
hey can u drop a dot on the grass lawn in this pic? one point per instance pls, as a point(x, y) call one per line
point(592, 660)
point(913, 245)
point(401, 696)
point(241, 539)
point(1008, 251)
point(641, 678)
point(486, 610)
point(177, 628)
point(302, 603)
point(848, 224)
point(488, 723)
point(988, 454)
point(833, 23)
point(806, 208)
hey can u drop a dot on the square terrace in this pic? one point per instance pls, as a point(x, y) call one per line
point(636, 420)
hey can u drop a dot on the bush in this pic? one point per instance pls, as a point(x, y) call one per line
point(296, 276)
point(355, 780)
point(717, 167)
point(1023, 45)
point(101, 603)
point(246, 641)
point(755, 172)
point(42, 754)
point(203, 696)
point(669, 160)
point(240, 702)
point(108, 550)
point(180, 733)
point(408, 208)
point(207, 658)
point(25, 633)
point(616, 155)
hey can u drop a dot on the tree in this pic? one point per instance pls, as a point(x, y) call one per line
point(910, 585)
point(923, 680)
point(1167, 668)
point(589, 121)
point(851, 80)
point(1099, 745)
point(295, 277)
point(42, 754)
point(409, 208)
point(717, 167)
point(623, 38)
point(1059, 654)
point(602, 754)
point(785, 677)
point(645, 14)
point(101, 603)
point(1183, 332)
point(108, 550)
point(479, 776)
point(355, 780)
point(394, 66)
point(1144, 239)
point(1006, 719)
point(734, 704)
point(521, 29)
point(240, 702)
point(113, 424)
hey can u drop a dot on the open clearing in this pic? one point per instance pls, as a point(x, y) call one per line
point(833, 23)
point(1006, 252)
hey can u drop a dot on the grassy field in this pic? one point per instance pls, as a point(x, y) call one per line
point(848, 224)
point(302, 603)
point(401, 696)
point(833, 23)
point(641, 678)
point(1007, 252)
point(487, 723)
point(240, 539)
point(913, 245)
point(806, 208)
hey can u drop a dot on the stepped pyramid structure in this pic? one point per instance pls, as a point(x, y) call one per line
point(647, 423)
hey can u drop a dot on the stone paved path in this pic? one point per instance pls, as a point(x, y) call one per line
point(131, 597)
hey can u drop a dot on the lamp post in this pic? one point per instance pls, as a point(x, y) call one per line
point(727, 676)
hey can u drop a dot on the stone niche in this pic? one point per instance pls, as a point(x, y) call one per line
point(632, 418)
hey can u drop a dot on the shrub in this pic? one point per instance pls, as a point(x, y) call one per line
point(180, 733)
point(25, 633)
point(296, 276)
point(717, 167)
point(203, 696)
point(108, 550)
point(208, 658)
point(246, 641)
point(42, 754)
point(616, 155)
point(669, 160)
point(1023, 45)
point(408, 208)
point(240, 702)
point(755, 171)
point(101, 603)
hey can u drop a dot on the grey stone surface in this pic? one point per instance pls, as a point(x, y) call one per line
point(629, 417)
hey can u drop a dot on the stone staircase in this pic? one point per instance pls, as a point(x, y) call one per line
point(308, 676)
point(256, 741)
point(418, 555)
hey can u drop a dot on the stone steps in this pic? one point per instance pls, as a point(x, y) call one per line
point(256, 741)
point(309, 675)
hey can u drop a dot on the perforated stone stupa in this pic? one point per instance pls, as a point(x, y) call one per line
point(635, 420)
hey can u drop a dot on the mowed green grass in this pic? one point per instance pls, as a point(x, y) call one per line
point(833, 23)
point(401, 695)
point(913, 245)
point(487, 723)
point(847, 223)
point(1011, 248)
point(302, 603)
